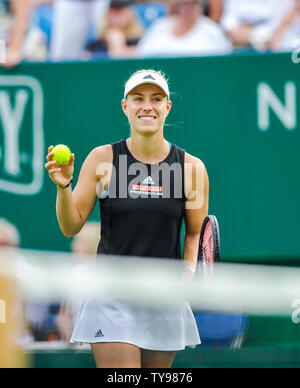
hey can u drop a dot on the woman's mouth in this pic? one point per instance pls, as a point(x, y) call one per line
point(147, 118)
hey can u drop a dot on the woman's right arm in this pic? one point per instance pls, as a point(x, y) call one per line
point(74, 208)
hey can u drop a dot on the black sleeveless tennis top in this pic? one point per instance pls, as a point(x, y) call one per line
point(143, 208)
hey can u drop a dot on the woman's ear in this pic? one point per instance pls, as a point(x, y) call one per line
point(169, 106)
point(124, 106)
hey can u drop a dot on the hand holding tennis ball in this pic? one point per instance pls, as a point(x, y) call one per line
point(60, 164)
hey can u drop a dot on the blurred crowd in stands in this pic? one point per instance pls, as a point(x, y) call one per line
point(59, 30)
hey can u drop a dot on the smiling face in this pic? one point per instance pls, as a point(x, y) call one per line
point(147, 108)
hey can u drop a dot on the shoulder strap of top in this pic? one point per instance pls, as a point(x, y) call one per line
point(117, 149)
point(178, 154)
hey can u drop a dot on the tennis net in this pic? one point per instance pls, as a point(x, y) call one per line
point(247, 315)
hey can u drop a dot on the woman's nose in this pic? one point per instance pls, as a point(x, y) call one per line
point(147, 105)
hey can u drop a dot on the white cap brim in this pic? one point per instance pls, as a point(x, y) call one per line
point(146, 77)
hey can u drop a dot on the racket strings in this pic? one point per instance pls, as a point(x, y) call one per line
point(208, 244)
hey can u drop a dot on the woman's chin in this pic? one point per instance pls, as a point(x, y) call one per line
point(147, 131)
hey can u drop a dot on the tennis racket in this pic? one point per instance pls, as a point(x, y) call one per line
point(209, 244)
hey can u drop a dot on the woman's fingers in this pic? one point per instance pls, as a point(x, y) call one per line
point(50, 156)
point(71, 161)
point(49, 164)
point(54, 170)
point(50, 153)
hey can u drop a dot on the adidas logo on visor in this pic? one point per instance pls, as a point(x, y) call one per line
point(149, 76)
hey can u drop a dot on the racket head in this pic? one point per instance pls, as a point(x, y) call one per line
point(209, 244)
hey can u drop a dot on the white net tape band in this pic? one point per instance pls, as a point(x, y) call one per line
point(249, 289)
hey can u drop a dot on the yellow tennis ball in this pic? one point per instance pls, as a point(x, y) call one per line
point(61, 154)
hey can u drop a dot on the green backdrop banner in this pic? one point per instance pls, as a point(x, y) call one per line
point(238, 114)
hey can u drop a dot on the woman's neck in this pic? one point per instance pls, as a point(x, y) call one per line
point(148, 149)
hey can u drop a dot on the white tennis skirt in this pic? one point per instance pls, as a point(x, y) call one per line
point(163, 329)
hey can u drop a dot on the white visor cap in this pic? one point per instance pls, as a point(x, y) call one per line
point(146, 77)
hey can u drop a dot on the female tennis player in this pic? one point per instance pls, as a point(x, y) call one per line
point(142, 220)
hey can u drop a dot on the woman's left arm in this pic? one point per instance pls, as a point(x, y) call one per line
point(196, 208)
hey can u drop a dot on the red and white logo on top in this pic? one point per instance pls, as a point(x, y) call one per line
point(148, 186)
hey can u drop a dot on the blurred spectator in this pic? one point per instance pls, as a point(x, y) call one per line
point(37, 42)
point(13, 334)
point(213, 9)
point(85, 243)
point(121, 30)
point(48, 322)
point(286, 37)
point(186, 32)
point(38, 317)
point(75, 22)
point(10, 237)
point(14, 19)
point(253, 22)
